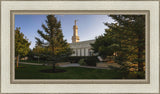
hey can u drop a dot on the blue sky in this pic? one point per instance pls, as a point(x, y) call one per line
point(89, 26)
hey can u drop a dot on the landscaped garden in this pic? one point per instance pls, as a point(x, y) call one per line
point(121, 45)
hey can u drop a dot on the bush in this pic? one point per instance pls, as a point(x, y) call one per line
point(75, 59)
point(91, 61)
point(82, 62)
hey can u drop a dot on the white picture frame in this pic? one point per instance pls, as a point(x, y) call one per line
point(9, 8)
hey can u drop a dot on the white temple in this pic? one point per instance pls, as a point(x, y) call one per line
point(82, 48)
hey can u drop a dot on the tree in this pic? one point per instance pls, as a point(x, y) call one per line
point(126, 37)
point(21, 44)
point(106, 44)
point(134, 36)
point(52, 40)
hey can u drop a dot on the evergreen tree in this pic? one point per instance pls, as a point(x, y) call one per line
point(133, 36)
point(21, 44)
point(126, 37)
point(52, 40)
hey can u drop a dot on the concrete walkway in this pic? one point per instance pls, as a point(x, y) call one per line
point(68, 65)
point(29, 63)
point(71, 65)
point(78, 65)
point(94, 67)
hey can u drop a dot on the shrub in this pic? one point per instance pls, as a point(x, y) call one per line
point(82, 62)
point(110, 58)
point(91, 61)
point(75, 59)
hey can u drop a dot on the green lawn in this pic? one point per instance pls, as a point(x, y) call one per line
point(34, 72)
point(32, 61)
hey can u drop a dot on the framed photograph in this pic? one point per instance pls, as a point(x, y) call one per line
point(74, 46)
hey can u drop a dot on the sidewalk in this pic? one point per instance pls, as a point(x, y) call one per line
point(69, 65)
point(93, 67)
point(78, 65)
point(29, 63)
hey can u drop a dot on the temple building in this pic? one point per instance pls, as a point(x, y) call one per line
point(80, 48)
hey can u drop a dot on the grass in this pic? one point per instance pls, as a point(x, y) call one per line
point(33, 61)
point(33, 72)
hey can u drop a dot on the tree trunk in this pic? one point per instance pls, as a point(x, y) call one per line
point(140, 55)
point(17, 60)
point(53, 50)
point(53, 61)
point(140, 63)
point(54, 67)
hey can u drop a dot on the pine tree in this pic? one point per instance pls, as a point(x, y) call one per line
point(52, 39)
point(21, 44)
point(126, 37)
point(134, 36)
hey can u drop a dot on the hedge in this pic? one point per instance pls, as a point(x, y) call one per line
point(90, 60)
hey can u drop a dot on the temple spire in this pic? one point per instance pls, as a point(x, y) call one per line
point(75, 37)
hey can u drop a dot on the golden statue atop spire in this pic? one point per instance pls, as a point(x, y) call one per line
point(75, 21)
